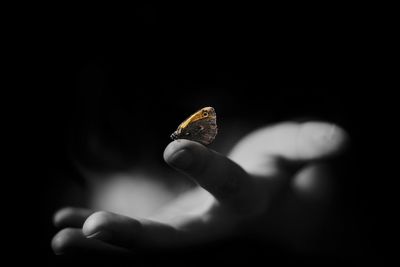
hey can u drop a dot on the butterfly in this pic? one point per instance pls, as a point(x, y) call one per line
point(200, 127)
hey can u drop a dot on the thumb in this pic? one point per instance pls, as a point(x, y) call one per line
point(292, 142)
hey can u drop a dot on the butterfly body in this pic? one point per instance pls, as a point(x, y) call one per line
point(200, 127)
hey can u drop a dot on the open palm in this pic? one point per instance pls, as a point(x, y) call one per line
point(275, 183)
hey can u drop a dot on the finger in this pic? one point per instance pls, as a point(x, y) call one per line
point(72, 241)
point(314, 182)
point(71, 217)
point(130, 233)
point(223, 178)
point(293, 142)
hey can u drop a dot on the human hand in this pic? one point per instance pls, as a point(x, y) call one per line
point(273, 177)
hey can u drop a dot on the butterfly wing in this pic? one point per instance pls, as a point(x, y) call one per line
point(202, 131)
point(200, 127)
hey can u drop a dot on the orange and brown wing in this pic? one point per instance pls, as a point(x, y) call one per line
point(200, 127)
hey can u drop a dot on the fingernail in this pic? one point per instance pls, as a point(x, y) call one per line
point(182, 159)
point(101, 235)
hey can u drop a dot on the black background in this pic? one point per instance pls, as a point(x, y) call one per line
point(128, 77)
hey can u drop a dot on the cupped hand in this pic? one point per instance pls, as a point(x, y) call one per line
point(275, 183)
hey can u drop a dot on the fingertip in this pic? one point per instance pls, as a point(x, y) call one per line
point(64, 240)
point(112, 228)
point(107, 226)
point(320, 139)
point(60, 216)
point(339, 138)
point(96, 223)
point(314, 182)
point(183, 154)
point(72, 241)
point(180, 144)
